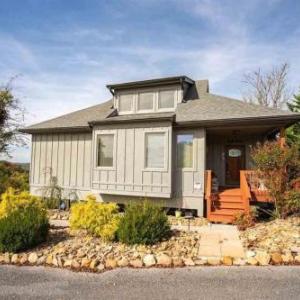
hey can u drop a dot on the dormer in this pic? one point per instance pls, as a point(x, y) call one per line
point(150, 96)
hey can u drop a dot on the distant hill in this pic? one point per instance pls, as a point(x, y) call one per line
point(24, 166)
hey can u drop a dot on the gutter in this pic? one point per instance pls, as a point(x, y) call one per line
point(236, 121)
point(122, 121)
point(55, 130)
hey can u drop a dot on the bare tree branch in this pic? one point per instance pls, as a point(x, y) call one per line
point(267, 89)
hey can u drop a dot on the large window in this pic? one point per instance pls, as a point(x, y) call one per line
point(145, 101)
point(125, 102)
point(105, 150)
point(185, 150)
point(155, 150)
point(166, 99)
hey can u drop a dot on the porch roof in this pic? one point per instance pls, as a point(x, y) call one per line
point(211, 110)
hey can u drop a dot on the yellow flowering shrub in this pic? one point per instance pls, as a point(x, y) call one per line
point(11, 200)
point(99, 219)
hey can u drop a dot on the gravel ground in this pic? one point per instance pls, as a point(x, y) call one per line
point(188, 283)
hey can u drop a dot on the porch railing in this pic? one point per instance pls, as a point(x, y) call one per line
point(258, 190)
point(245, 190)
point(208, 186)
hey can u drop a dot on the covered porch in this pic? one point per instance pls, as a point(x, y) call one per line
point(230, 182)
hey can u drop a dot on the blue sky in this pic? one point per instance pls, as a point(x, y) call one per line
point(65, 52)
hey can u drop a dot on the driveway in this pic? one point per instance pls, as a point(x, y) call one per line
point(187, 283)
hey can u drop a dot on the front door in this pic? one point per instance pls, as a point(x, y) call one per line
point(235, 161)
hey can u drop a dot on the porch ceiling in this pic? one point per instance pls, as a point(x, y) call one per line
point(243, 130)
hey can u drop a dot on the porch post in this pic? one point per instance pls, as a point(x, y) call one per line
point(282, 137)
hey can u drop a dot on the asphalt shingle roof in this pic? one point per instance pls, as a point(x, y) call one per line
point(78, 119)
point(212, 107)
point(202, 107)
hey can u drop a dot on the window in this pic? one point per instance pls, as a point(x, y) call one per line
point(166, 99)
point(105, 149)
point(155, 150)
point(125, 102)
point(145, 101)
point(185, 150)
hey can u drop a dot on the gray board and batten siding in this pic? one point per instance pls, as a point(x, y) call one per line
point(71, 158)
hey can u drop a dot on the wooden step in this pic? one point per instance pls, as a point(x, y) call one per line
point(229, 198)
point(228, 204)
point(221, 218)
point(226, 211)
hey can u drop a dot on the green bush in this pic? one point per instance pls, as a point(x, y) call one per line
point(99, 219)
point(143, 223)
point(23, 228)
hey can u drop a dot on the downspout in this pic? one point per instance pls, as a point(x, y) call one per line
point(112, 91)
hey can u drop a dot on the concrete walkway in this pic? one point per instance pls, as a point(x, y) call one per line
point(220, 241)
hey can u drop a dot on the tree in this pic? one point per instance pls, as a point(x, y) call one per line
point(14, 176)
point(268, 89)
point(11, 119)
point(293, 132)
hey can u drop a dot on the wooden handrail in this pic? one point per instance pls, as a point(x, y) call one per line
point(245, 190)
point(208, 186)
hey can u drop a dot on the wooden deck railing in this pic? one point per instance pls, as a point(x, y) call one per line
point(258, 190)
point(208, 185)
point(245, 190)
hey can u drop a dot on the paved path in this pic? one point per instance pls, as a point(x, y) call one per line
point(186, 283)
point(219, 241)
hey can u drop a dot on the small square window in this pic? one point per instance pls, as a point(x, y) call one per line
point(185, 150)
point(105, 150)
point(145, 101)
point(155, 150)
point(166, 99)
point(125, 102)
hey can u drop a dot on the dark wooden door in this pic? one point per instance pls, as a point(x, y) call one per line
point(235, 161)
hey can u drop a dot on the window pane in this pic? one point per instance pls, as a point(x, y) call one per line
point(184, 150)
point(166, 99)
point(145, 101)
point(125, 102)
point(155, 150)
point(105, 148)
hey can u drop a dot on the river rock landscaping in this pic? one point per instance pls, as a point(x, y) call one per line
point(274, 242)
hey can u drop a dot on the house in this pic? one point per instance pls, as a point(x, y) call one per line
point(162, 139)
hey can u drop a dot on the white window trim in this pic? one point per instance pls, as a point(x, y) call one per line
point(153, 101)
point(166, 150)
point(105, 132)
point(175, 91)
point(193, 168)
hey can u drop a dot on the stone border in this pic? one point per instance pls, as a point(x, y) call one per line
point(149, 260)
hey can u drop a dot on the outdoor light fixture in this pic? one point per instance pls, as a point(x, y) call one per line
point(189, 216)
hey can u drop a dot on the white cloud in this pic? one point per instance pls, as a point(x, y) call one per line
point(71, 76)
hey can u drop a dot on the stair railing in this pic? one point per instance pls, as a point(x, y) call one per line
point(245, 190)
point(208, 186)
